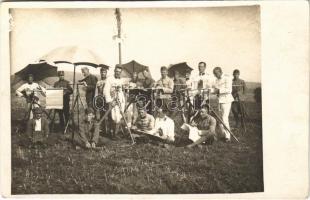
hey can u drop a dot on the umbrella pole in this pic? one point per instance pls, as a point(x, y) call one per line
point(119, 54)
point(72, 109)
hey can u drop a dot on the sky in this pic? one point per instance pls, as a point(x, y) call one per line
point(228, 37)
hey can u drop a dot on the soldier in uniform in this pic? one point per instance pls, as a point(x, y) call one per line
point(89, 82)
point(67, 91)
point(238, 89)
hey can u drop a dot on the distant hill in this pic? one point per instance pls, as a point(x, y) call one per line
point(252, 85)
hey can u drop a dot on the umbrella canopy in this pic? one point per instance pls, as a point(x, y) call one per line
point(73, 55)
point(180, 67)
point(40, 71)
point(133, 66)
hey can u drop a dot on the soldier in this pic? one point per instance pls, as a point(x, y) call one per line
point(202, 129)
point(89, 82)
point(37, 128)
point(67, 91)
point(165, 86)
point(223, 88)
point(115, 97)
point(238, 89)
point(202, 82)
point(88, 136)
point(147, 82)
point(30, 91)
point(100, 98)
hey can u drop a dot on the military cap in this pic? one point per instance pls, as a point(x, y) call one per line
point(103, 67)
point(61, 73)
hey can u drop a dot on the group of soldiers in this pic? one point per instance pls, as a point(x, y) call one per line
point(142, 106)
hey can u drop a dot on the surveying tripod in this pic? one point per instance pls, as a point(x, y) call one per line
point(116, 102)
point(76, 103)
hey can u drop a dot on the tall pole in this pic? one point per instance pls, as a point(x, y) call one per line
point(119, 31)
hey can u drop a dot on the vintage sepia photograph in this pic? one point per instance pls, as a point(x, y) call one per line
point(136, 100)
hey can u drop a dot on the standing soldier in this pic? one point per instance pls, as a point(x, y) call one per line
point(30, 92)
point(115, 98)
point(165, 85)
point(101, 101)
point(238, 88)
point(223, 89)
point(67, 91)
point(89, 82)
point(202, 81)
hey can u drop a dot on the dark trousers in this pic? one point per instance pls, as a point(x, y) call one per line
point(64, 114)
point(89, 98)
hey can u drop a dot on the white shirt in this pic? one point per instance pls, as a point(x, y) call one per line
point(109, 89)
point(166, 124)
point(205, 78)
point(37, 126)
point(29, 88)
point(224, 84)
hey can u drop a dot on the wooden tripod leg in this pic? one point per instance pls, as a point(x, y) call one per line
point(124, 118)
point(221, 121)
point(71, 115)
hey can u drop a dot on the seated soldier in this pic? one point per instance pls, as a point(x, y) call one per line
point(37, 128)
point(164, 126)
point(144, 122)
point(88, 136)
point(203, 130)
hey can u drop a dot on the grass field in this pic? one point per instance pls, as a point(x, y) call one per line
point(143, 168)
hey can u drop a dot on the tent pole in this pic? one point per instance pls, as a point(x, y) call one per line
point(72, 109)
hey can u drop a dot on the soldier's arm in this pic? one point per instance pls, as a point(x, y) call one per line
point(20, 90)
